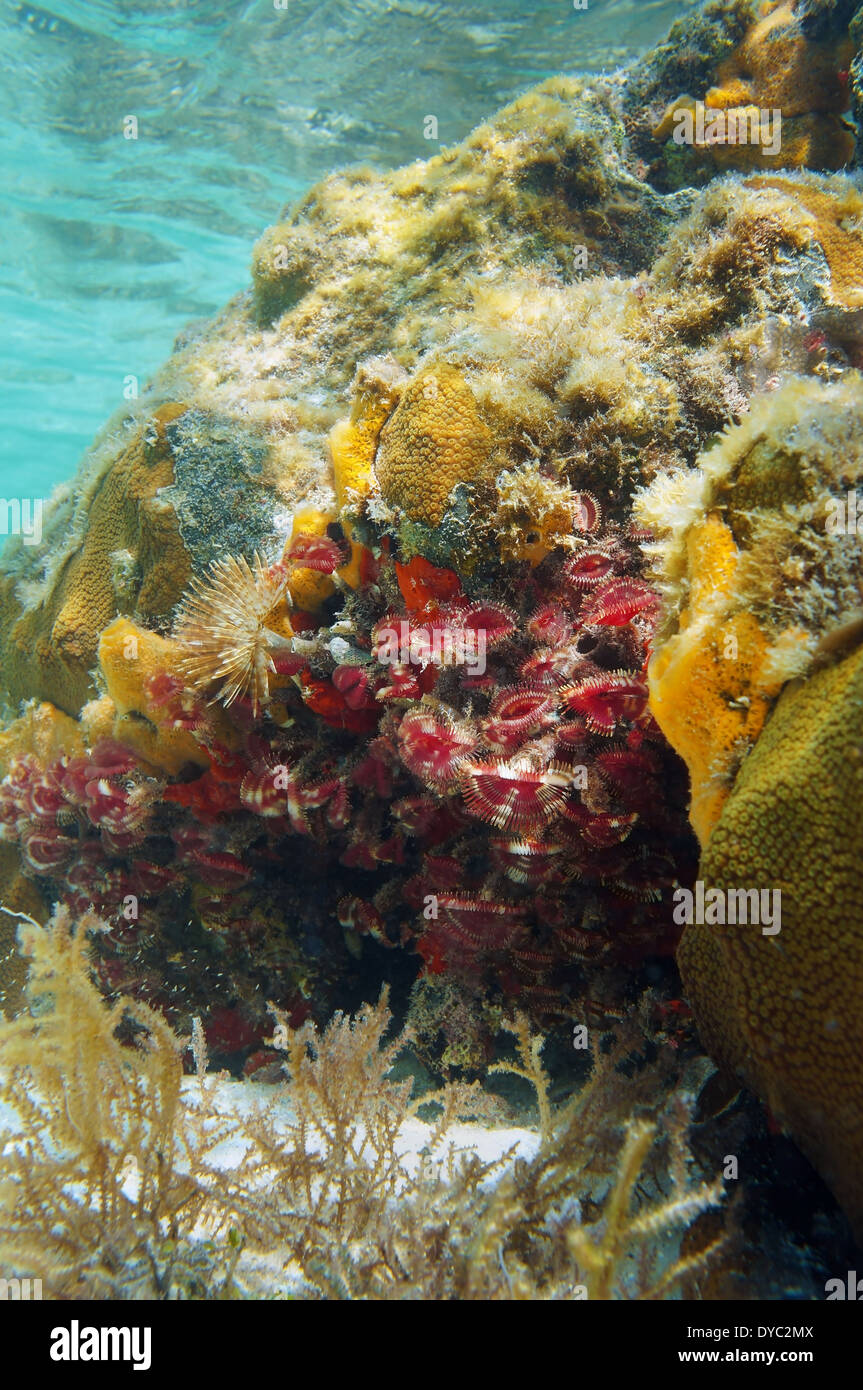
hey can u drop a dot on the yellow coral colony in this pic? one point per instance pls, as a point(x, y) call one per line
point(828, 215)
point(435, 440)
point(131, 542)
point(783, 1011)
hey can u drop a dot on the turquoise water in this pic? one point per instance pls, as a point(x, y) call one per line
point(114, 244)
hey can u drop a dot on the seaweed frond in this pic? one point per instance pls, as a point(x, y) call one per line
point(120, 1178)
point(93, 1196)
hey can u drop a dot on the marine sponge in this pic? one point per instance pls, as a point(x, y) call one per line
point(377, 386)
point(756, 583)
point(783, 1010)
point(435, 441)
point(309, 587)
point(746, 137)
point(707, 688)
point(130, 658)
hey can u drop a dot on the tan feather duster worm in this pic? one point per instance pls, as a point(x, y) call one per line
point(224, 623)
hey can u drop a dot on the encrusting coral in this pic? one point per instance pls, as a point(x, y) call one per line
point(129, 558)
point(828, 216)
point(435, 441)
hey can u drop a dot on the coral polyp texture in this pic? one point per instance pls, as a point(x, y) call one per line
point(789, 1019)
point(434, 442)
point(403, 624)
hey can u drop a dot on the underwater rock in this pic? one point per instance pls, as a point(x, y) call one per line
point(170, 487)
point(776, 100)
point(598, 382)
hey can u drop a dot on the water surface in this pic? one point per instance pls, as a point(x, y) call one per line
point(113, 244)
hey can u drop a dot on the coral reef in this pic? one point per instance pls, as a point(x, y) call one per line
point(525, 312)
point(827, 215)
point(780, 63)
point(357, 660)
point(759, 556)
point(127, 556)
point(170, 488)
point(435, 441)
point(478, 781)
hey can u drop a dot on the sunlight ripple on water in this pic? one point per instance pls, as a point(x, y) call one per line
point(112, 245)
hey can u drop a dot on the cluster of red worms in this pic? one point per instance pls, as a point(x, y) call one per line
point(475, 778)
point(546, 810)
